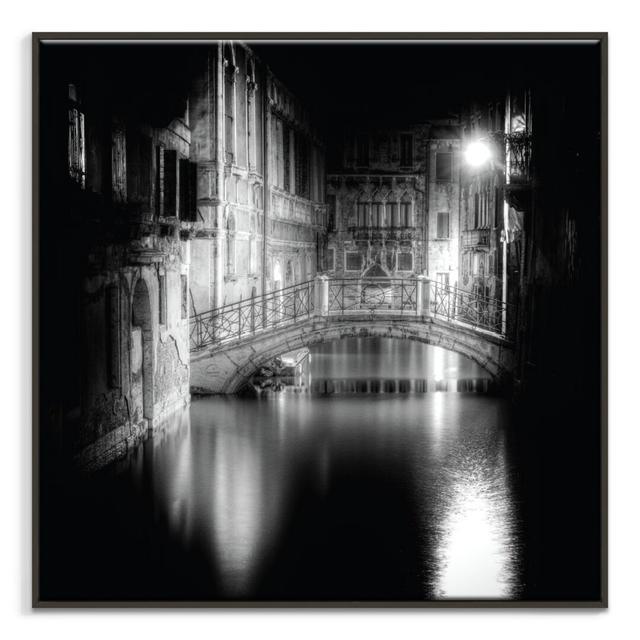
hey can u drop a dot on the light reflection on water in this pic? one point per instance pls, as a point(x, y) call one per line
point(394, 497)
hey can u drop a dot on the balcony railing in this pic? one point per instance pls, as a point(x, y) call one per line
point(384, 233)
point(478, 238)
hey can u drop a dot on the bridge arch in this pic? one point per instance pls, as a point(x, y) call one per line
point(226, 370)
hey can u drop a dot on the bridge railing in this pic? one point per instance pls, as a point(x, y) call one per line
point(355, 295)
point(238, 320)
point(480, 312)
point(418, 297)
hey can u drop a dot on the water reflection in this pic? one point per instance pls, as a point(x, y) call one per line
point(372, 495)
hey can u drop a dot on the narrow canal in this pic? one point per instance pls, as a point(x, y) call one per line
point(400, 486)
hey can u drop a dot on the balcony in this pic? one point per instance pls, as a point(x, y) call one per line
point(476, 239)
point(384, 234)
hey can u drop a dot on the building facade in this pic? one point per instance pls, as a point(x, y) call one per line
point(491, 239)
point(260, 199)
point(153, 208)
point(393, 204)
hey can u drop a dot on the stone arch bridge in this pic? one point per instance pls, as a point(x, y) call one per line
point(229, 344)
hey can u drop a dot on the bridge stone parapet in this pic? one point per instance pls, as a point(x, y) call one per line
point(224, 369)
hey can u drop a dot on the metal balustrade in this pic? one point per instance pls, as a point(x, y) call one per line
point(349, 295)
point(479, 312)
point(419, 298)
point(241, 319)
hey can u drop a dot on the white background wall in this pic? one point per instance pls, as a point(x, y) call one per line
point(20, 18)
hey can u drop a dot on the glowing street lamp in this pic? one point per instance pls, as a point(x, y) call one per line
point(477, 153)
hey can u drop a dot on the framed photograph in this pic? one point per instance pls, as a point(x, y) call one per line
point(320, 320)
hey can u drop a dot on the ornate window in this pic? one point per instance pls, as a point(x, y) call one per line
point(405, 214)
point(377, 214)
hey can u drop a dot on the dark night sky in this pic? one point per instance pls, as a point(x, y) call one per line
point(411, 82)
point(341, 83)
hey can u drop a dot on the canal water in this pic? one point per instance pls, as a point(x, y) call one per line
point(398, 485)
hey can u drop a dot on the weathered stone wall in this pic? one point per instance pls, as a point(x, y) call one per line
point(125, 361)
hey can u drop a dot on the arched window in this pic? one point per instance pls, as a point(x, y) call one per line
point(252, 87)
point(377, 214)
point(392, 214)
point(229, 102)
point(363, 214)
point(405, 212)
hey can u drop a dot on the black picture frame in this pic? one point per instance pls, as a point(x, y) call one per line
point(41, 38)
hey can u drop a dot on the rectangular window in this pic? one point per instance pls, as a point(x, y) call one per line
point(406, 150)
point(184, 307)
point(362, 151)
point(187, 188)
point(286, 183)
point(162, 300)
point(444, 167)
point(443, 224)
point(497, 206)
point(302, 166)
point(76, 159)
point(405, 261)
point(139, 150)
point(170, 183)
point(353, 261)
point(331, 259)
point(229, 106)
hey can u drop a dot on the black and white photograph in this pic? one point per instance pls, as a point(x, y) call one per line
point(320, 320)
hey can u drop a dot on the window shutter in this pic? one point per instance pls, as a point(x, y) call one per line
point(170, 183)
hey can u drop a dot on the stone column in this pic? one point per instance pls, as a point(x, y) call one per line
point(321, 295)
point(426, 296)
